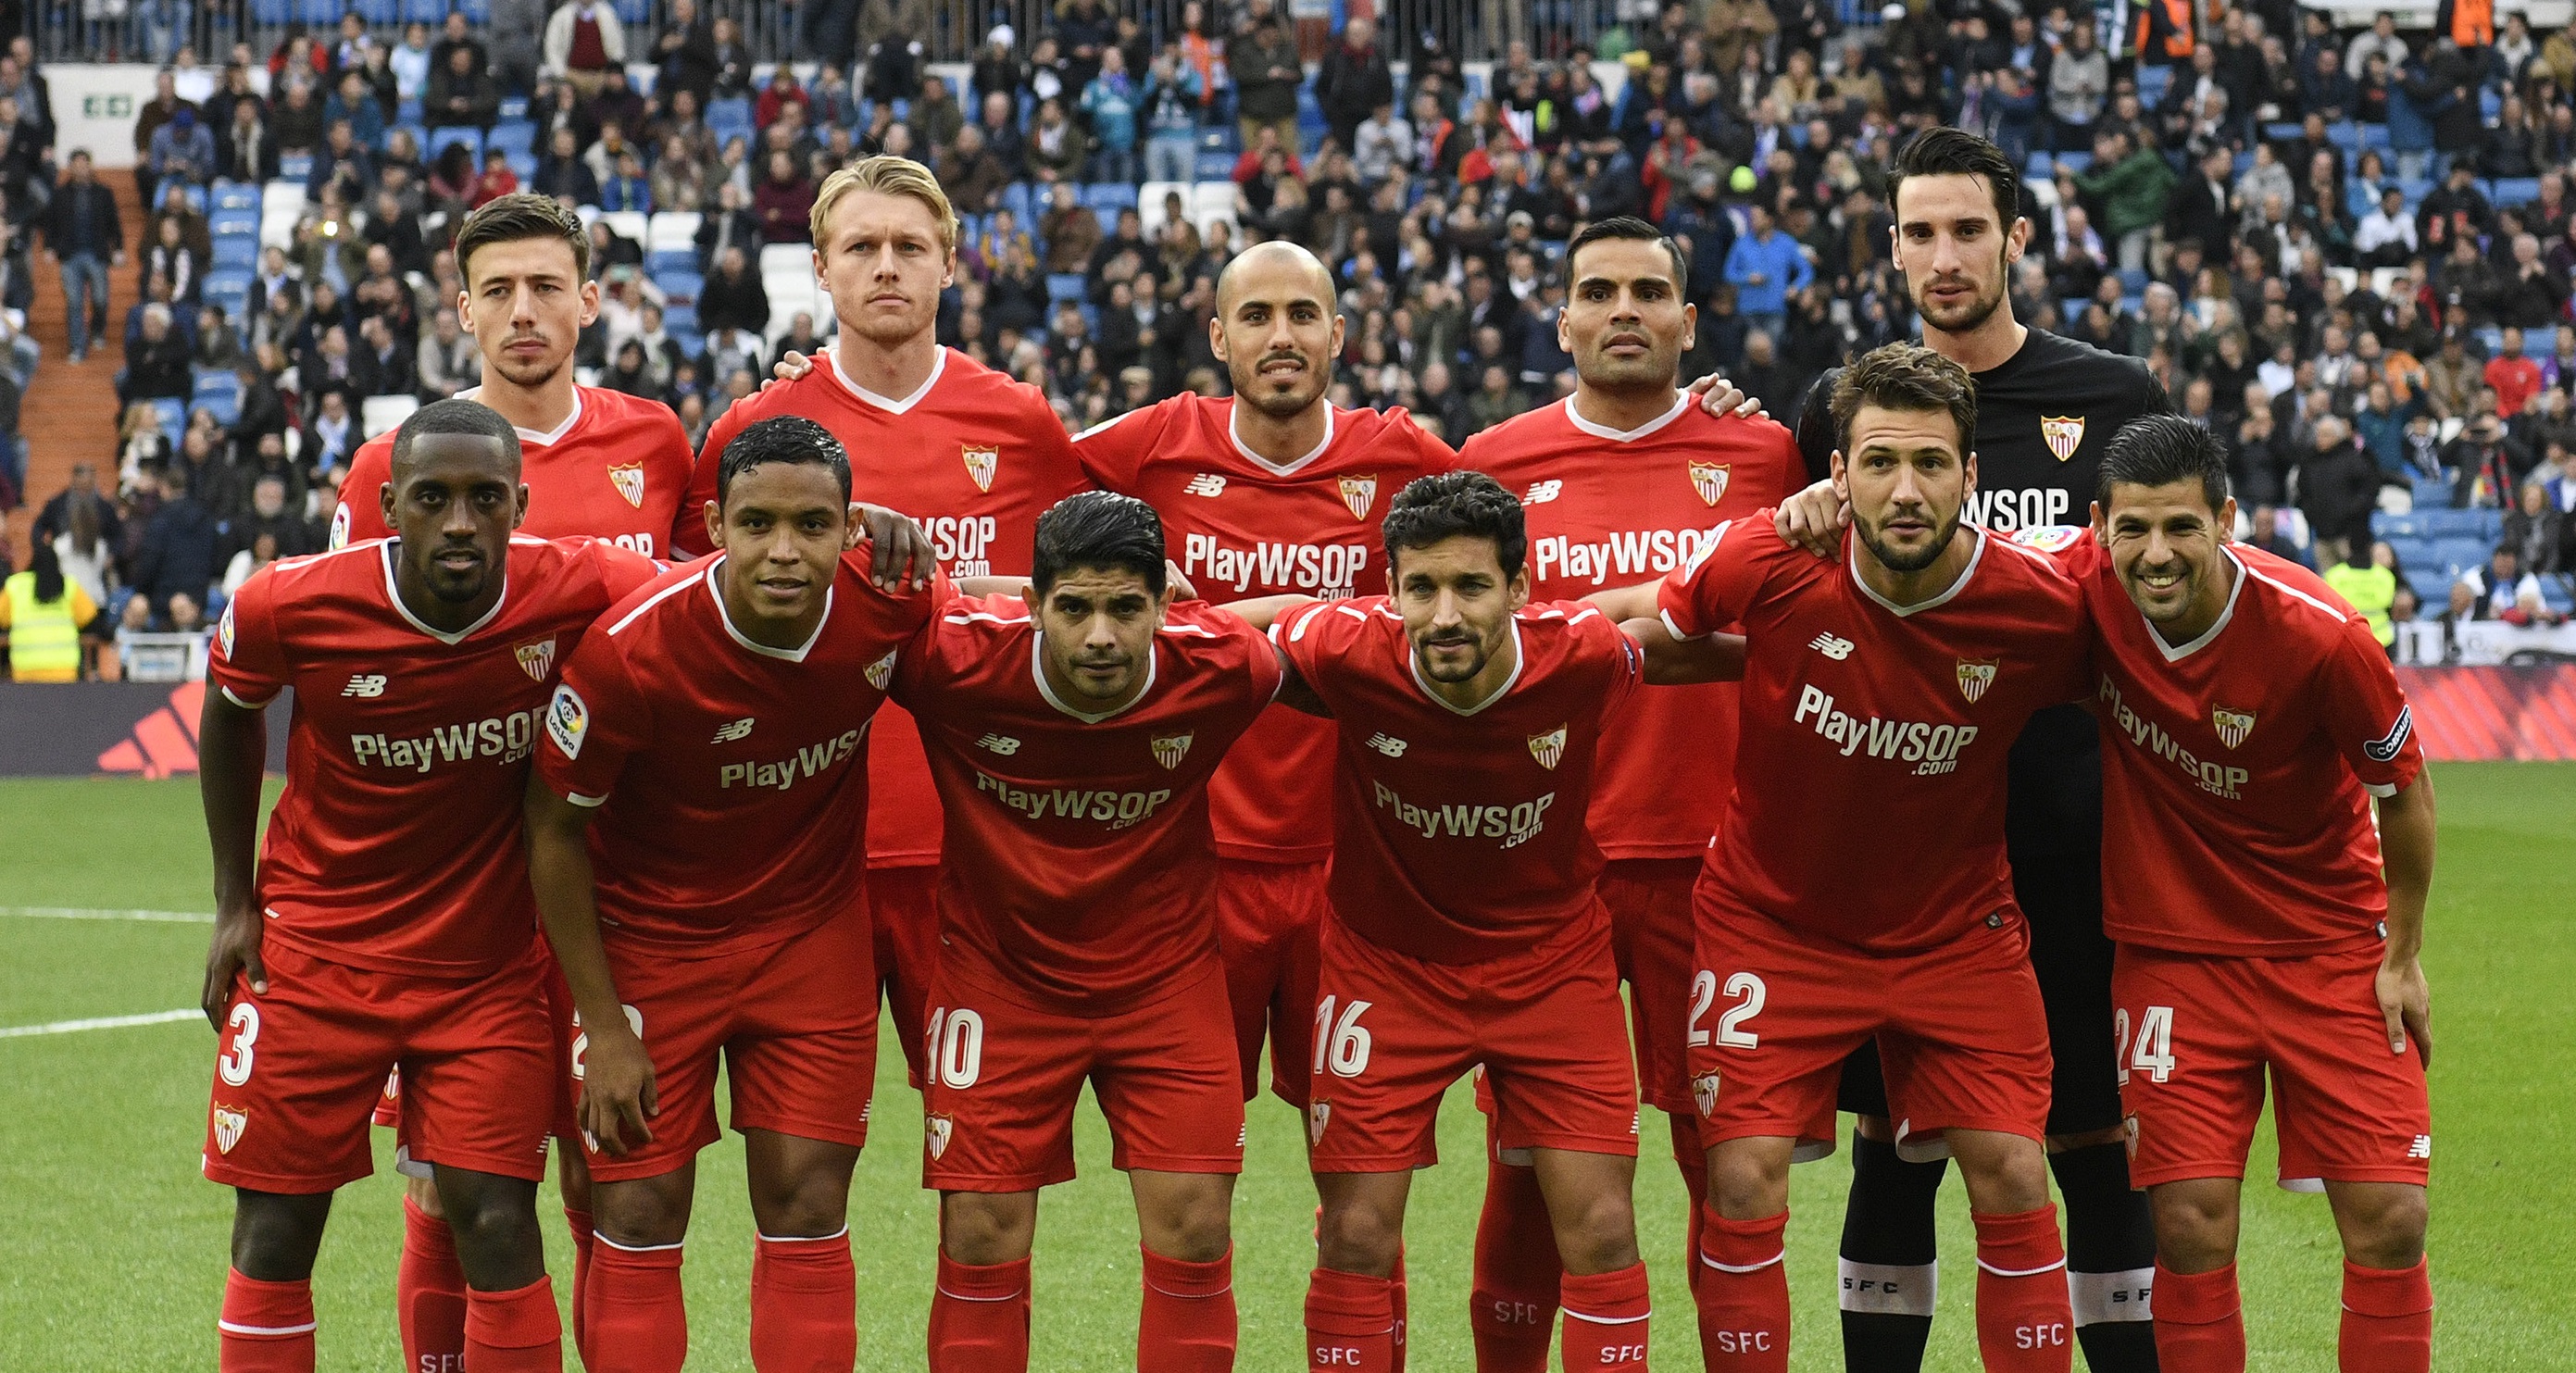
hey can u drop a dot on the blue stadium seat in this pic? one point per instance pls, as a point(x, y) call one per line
point(430, 12)
point(229, 288)
point(227, 223)
point(2386, 526)
point(2453, 524)
point(2152, 84)
point(225, 406)
point(1064, 286)
point(1108, 217)
point(2432, 586)
point(236, 195)
point(2075, 162)
point(1015, 198)
point(522, 166)
point(1215, 166)
point(680, 286)
point(440, 139)
point(410, 112)
point(634, 12)
point(272, 14)
point(1110, 194)
point(516, 135)
point(662, 261)
point(2415, 555)
point(2133, 281)
point(294, 166)
point(2460, 555)
point(476, 12)
point(2513, 191)
point(2556, 594)
point(237, 250)
point(2415, 189)
point(318, 12)
point(729, 119)
point(2432, 493)
point(2282, 133)
point(680, 321)
point(2374, 137)
point(2491, 339)
point(2347, 136)
point(174, 417)
point(2039, 168)
point(381, 13)
point(1224, 139)
point(513, 107)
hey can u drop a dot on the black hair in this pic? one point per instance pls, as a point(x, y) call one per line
point(786, 439)
point(1946, 151)
point(2160, 450)
point(1450, 504)
point(1101, 530)
point(1631, 228)
point(455, 417)
point(48, 567)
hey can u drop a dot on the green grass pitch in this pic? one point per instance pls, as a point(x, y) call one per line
point(115, 1246)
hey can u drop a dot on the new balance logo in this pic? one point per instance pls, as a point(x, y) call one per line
point(1391, 747)
point(1002, 744)
point(2421, 1148)
point(1205, 484)
point(1540, 493)
point(726, 734)
point(365, 686)
point(1831, 647)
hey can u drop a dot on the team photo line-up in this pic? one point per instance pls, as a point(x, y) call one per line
point(1112, 757)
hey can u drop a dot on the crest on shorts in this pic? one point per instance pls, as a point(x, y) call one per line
point(537, 659)
point(229, 1125)
point(2063, 434)
point(1359, 493)
point(881, 671)
point(1709, 480)
point(982, 461)
point(1170, 749)
point(628, 478)
point(1318, 1116)
point(2232, 725)
point(1975, 677)
point(1548, 748)
point(935, 1132)
point(1704, 1093)
point(2129, 1134)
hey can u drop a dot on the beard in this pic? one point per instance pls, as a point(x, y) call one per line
point(1898, 560)
point(1278, 404)
point(1966, 318)
point(529, 376)
point(1476, 660)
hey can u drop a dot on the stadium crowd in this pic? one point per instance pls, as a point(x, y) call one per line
point(2345, 252)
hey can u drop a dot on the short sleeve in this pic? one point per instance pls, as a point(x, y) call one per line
point(689, 527)
point(1299, 630)
point(245, 659)
point(596, 719)
point(361, 514)
point(1112, 454)
point(2366, 714)
point(1718, 585)
point(621, 570)
point(1623, 661)
point(1434, 453)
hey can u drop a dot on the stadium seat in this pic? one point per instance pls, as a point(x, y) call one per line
point(272, 14)
point(1215, 166)
point(680, 286)
point(1211, 201)
point(430, 12)
point(1064, 286)
point(2346, 136)
point(1113, 194)
point(2513, 191)
point(476, 12)
point(234, 195)
point(438, 141)
point(174, 417)
point(2432, 585)
point(410, 112)
point(295, 167)
point(2075, 162)
point(1149, 204)
point(2133, 281)
point(2453, 524)
point(225, 406)
point(660, 261)
point(2374, 137)
point(786, 259)
point(383, 414)
point(2461, 555)
point(2039, 169)
point(517, 135)
point(522, 165)
point(236, 250)
point(680, 321)
point(229, 222)
point(229, 288)
point(673, 229)
point(2282, 133)
point(631, 225)
point(513, 107)
point(2152, 84)
point(2414, 554)
point(2384, 525)
point(1016, 199)
point(379, 13)
point(319, 13)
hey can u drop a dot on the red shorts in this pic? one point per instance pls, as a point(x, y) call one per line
point(299, 1069)
point(1959, 1027)
point(799, 1051)
point(906, 922)
point(1650, 931)
point(1006, 1076)
point(1395, 1031)
point(560, 1032)
point(1266, 918)
point(2196, 1034)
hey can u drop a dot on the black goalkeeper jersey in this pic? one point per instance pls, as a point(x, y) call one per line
point(2043, 419)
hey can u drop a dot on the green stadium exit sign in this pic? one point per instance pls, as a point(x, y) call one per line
point(115, 106)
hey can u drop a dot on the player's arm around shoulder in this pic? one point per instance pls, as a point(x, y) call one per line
point(1295, 627)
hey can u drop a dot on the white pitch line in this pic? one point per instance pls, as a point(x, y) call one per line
point(86, 913)
point(104, 1022)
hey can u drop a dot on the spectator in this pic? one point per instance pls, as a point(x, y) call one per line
point(2338, 486)
point(85, 235)
point(969, 173)
point(626, 189)
point(1266, 74)
point(734, 297)
point(447, 359)
point(1765, 266)
point(43, 613)
point(935, 117)
point(177, 558)
point(171, 259)
point(888, 40)
point(2532, 295)
point(182, 151)
point(1172, 100)
point(1354, 82)
point(2504, 590)
point(247, 151)
point(1110, 103)
point(631, 372)
point(2367, 586)
point(1057, 149)
point(496, 181)
point(2516, 378)
point(784, 203)
point(462, 94)
point(679, 180)
point(1070, 231)
point(685, 53)
point(563, 173)
point(728, 224)
point(158, 368)
point(583, 42)
point(2536, 529)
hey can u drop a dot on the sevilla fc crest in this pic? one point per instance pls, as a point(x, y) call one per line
point(982, 461)
point(628, 478)
point(2232, 725)
point(935, 1132)
point(1704, 1093)
point(1170, 749)
point(1548, 748)
point(537, 660)
point(1317, 1117)
point(1359, 493)
point(1974, 678)
point(2064, 434)
point(881, 671)
point(1709, 480)
point(229, 1125)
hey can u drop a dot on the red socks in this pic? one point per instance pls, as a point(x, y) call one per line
point(1605, 1321)
point(1693, 1161)
point(638, 1321)
point(584, 1234)
point(1187, 1325)
point(1743, 1294)
point(429, 1295)
point(804, 1305)
point(2387, 1319)
point(2025, 1321)
point(1514, 1299)
point(2200, 1321)
point(979, 1319)
point(1397, 1298)
point(1350, 1323)
point(266, 1327)
point(514, 1332)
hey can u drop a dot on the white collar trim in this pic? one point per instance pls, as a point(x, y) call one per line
point(2175, 653)
point(1520, 660)
point(1975, 556)
point(725, 618)
point(1574, 414)
point(1233, 410)
point(393, 593)
point(1037, 673)
point(550, 437)
point(938, 365)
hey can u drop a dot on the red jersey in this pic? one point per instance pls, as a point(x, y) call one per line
point(1079, 868)
point(618, 469)
point(1241, 527)
point(1611, 508)
point(1458, 834)
point(395, 846)
point(728, 772)
point(1869, 805)
point(975, 457)
point(2251, 752)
